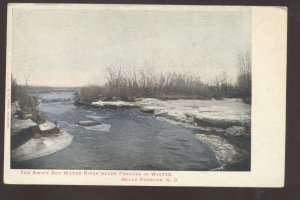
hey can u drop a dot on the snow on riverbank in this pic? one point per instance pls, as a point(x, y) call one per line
point(228, 115)
point(224, 152)
point(223, 114)
point(41, 146)
point(227, 118)
point(47, 126)
point(19, 125)
point(113, 104)
point(30, 140)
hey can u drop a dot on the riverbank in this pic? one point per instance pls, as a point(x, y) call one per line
point(117, 139)
point(32, 140)
point(223, 125)
point(177, 135)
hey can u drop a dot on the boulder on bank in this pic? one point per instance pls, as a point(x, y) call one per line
point(48, 128)
point(18, 125)
point(22, 131)
point(54, 130)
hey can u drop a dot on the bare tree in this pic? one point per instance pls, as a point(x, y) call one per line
point(126, 85)
point(244, 77)
point(14, 87)
point(26, 75)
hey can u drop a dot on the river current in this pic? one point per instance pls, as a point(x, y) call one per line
point(126, 139)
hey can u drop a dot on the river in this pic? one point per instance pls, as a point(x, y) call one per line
point(127, 139)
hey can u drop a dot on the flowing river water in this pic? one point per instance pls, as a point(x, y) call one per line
point(126, 139)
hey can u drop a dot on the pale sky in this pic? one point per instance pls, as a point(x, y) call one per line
point(60, 46)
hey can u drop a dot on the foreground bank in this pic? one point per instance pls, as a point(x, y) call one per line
point(32, 140)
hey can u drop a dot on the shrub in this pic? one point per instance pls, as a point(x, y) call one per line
point(90, 93)
point(29, 105)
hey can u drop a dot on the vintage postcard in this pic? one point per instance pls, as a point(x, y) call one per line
point(145, 95)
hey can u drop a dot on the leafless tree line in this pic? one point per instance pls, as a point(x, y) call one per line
point(244, 78)
point(127, 85)
point(149, 83)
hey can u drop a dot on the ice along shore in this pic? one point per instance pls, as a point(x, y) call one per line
point(31, 140)
point(223, 125)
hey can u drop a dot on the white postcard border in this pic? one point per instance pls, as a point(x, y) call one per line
point(269, 51)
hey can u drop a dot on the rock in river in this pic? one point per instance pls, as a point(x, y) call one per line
point(88, 123)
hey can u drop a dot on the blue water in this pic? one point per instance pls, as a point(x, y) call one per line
point(132, 140)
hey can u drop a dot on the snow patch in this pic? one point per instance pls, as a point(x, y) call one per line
point(223, 151)
point(94, 117)
point(89, 123)
point(227, 109)
point(213, 115)
point(187, 125)
point(47, 126)
point(113, 104)
point(41, 146)
point(18, 125)
point(236, 131)
point(208, 115)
